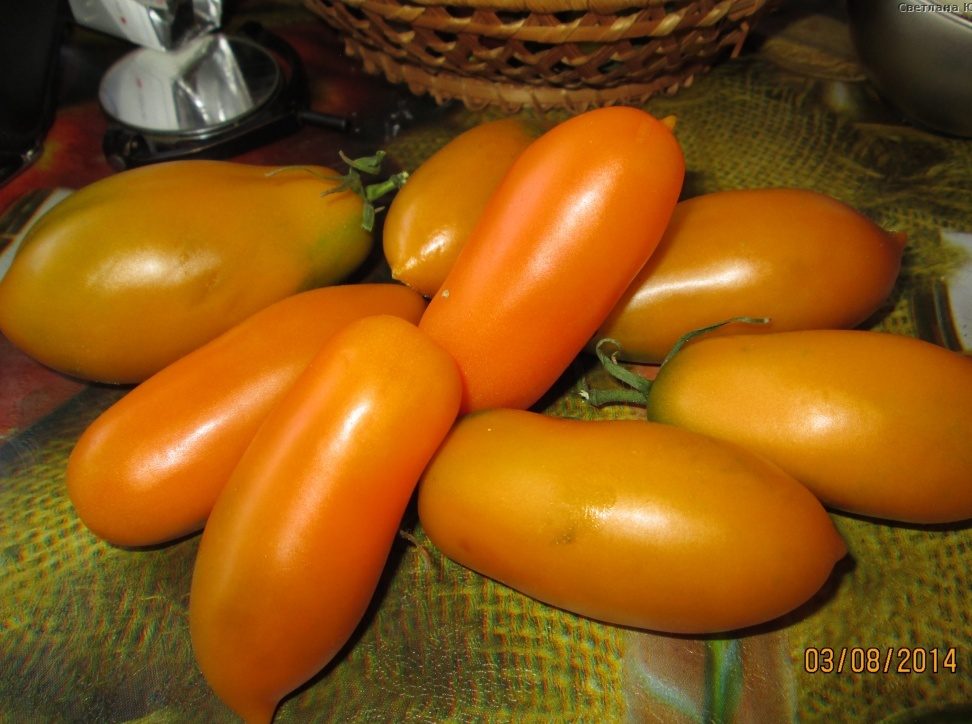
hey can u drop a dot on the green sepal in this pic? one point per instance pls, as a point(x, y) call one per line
point(636, 388)
point(352, 181)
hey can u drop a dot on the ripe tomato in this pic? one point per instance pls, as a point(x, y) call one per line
point(873, 423)
point(800, 258)
point(130, 273)
point(295, 545)
point(432, 216)
point(572, 222)
point(151, 466)
point(627, 521)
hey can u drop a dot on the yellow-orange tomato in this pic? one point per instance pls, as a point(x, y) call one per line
point(131, 272)
point(568, 228)
point(627, 521)
point(292, 553)
point(149, 468)
point(433, 214)
point(801, 258)
point(873, 423)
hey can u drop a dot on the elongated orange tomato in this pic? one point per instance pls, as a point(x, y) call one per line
point(149, 469)
point(432, 216)
point(801, 258)
point(627, 521)
point(291, 555)
point(873, 423)
point(135, 270)
point(570, 225)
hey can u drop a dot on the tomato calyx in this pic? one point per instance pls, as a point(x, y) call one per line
point(352, 181)
point(635, 389)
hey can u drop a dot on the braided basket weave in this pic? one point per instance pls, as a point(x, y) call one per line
point(572, 54)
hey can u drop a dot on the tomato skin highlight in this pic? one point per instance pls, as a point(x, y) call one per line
point(627, 521)
point(292, 553)
point(873, 423)
point(149, 469)
point(431, 217)
point(572, 222)
point(135, 270)
point(801, 258)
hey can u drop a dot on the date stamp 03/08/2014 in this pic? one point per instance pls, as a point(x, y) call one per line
point(875, 660)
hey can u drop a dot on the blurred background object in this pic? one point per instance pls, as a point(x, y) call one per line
point(942, 305)
point(30, 38)
point(159, 24)
point(189, 89)
point(212, 97)
point(919, 56)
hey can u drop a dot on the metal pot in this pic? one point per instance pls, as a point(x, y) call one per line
point(919, 56)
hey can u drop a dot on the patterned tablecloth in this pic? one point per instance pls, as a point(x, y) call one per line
point(94, 633)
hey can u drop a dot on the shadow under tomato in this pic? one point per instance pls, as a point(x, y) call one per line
point(955, 526)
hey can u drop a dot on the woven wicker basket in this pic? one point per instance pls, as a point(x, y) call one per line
point(573, 54)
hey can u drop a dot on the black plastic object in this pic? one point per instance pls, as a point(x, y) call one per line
point(30, 40)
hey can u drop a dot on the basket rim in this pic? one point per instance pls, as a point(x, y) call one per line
point(476, 93)
point(587, 27)
point(603, 7)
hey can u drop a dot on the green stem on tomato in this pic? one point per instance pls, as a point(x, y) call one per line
point(351, 181)
point(688, 336)
point(636, 388)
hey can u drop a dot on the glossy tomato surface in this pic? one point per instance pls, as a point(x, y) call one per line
point(149, 468)
point(800, 258)
point(130, 273)
point(431, 217)
point(575, 218)
point(873, 423)
point(292, 553)
point(627, 521)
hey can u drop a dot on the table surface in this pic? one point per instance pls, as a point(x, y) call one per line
point(91, 632)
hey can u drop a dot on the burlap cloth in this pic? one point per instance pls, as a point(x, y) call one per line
point(92, 633)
